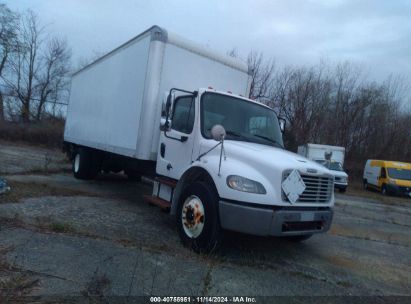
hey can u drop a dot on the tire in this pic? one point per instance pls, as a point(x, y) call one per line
point(133, 175)
point(85, 163)
point(384, 190)
point(298, 238)
point(342, 190)
point(365, 184)
point(202, 231)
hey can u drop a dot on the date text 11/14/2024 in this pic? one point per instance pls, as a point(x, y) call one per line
point(205, 299)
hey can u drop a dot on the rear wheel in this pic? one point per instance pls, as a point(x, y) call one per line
point(133, 175)
point(365, 184)
point(85, 163)
point(197, 217)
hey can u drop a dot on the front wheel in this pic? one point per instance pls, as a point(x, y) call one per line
point(197, 217)
point(384, 190)
point(133, 175)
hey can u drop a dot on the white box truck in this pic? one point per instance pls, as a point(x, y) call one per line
point(217, 158)
point(331, 157)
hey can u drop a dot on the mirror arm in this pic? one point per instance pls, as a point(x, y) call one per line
point(202, 154)
point(182, 138)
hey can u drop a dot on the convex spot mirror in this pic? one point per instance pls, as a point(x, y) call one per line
point(282, 122)
point(163, 125)
point(218, 132)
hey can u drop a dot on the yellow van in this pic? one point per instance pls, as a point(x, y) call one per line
point(389, 177)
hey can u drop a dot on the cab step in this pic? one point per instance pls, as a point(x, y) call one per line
point(166, 181)
point(156, 201)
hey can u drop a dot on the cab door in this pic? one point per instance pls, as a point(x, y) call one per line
point(176, 144)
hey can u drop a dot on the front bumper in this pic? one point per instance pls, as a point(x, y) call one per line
point(399, 190)
point(274, 220)
point(339, 185)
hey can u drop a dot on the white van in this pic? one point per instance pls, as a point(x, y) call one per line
point(335, 161)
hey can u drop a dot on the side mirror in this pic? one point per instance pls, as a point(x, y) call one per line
point(166, 125)
point(282, 123)
point(218, 132)
point(168, 103)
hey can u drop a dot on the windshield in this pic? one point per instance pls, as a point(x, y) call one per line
point(336, 166)
point(399, 173)
point(242, 120)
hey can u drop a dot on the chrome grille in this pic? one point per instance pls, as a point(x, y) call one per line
point(318, 188)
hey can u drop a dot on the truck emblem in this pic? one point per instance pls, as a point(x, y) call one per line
point(310, 170)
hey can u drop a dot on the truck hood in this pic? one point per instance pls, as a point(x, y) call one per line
point(261, 163)
point(263, 155)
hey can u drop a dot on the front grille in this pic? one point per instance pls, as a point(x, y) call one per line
point(318, 188)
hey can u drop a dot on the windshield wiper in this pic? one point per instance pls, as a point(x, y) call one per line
point(269, 139)
point(233, 133)
point(237, 135)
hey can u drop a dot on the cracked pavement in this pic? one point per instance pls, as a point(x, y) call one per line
point(101, 239)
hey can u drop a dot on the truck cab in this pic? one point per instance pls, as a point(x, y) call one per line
point(241, 178)
point(217, 159)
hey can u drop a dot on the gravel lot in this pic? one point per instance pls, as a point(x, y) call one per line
point(64, 237)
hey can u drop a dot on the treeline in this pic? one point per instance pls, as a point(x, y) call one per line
point(34, 68)
point(336, 105)
point(326, 104)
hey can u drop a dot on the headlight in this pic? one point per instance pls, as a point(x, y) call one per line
point(244, 184)
point(343, 179)
point(392, 181)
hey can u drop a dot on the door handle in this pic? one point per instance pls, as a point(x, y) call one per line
point(162, 150)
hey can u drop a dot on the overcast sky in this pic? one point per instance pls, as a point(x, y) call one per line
point(374, 34)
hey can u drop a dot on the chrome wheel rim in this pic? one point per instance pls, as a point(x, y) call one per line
point(76, 162)
point(193, 216)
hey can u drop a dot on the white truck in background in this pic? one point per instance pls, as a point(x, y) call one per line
point(331, 157)
point(217, 158)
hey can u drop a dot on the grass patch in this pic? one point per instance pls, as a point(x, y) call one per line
point(345, 284)
point(98, 286)
point(13, 283)
point(61, 227)
point(15, 287)
point(21, 190)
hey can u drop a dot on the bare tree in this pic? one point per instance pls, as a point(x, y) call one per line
point(8, 34)
point(25, 63)
point(261, 77)
point(39, 68)
point(52, 78)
